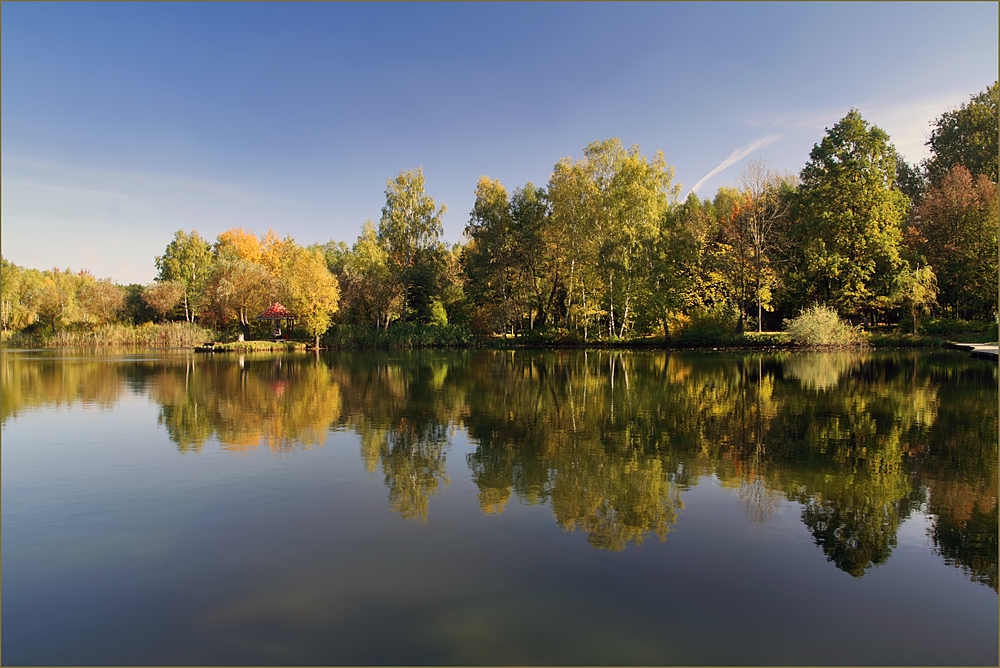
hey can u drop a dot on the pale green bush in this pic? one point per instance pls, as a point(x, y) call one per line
point(820, 325)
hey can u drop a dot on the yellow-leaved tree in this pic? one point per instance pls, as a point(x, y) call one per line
point(310, 291)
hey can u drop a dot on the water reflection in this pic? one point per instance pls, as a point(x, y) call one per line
point(609, 440)
point(247, 402)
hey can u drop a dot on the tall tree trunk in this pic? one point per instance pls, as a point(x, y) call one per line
point(611, 311)
point(244, 327)
point(760, 323)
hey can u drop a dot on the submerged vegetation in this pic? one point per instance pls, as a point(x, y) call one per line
point(858, 244)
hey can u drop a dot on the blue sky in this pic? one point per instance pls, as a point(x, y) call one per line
point(123, 122)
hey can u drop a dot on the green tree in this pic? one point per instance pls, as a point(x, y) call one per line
point(673, 264)
point(376, 291)
point(188, 260)
point(916, 290)
point(490, 258)
point(573, 235)
point(967, 136)
point(410, 228)
point(848, 228)
point(136, 310)
point(911, 180)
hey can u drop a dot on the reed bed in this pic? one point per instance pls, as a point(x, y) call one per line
point(148, 335)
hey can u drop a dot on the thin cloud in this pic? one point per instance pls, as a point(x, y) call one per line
point(736, 156)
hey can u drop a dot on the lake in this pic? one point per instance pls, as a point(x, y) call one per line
point(499, 507)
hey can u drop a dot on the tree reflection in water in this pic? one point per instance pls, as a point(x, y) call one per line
point(610, 440)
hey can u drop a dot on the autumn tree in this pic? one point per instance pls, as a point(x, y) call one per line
point(727, 262)
point(765, 204)
point(308, 288)
point(240, 286)
point(163, 296)
point(100, 300)
point(57, 304)
point(955, 231)
point(10, 283)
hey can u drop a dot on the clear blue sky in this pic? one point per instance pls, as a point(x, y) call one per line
point(123, 122)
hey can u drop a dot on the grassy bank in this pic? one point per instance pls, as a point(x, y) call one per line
point(148, 335)
point(257, 346)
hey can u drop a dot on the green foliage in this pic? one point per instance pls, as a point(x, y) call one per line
point(188, 260)
point(819, 325)
point(409, 221)
point(136, 310)
point(916, 289)
point(968, 137)
point(709, 328)
point(371, 291)
point(410, 230)
point(548, 336)
point(438, 314)
point(945, 327)
point(761, 339)
point(847, 233)
point(399, 335)
point(887, 339)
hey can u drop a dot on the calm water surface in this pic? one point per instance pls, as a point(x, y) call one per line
point(499, 508)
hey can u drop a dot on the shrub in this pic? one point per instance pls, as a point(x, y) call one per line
point(548, 335)
point(715, 327)
point(399, 335)
point(903, 340)
point(757, 339)
point(820, 325)
point(948, 326)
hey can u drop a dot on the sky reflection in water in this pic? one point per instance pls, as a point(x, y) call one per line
point(500, 507)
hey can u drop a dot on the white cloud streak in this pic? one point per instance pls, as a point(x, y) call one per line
point(736, 156)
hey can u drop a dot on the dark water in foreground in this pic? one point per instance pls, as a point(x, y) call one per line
point(499, 508)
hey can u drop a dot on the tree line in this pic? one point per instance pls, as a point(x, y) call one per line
point(606, 250)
